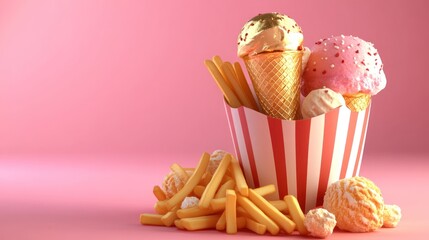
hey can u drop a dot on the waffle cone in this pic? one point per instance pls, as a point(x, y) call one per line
point(357, 102)
point(276, 80)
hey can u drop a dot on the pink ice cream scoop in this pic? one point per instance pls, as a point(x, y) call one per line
point(345, 64)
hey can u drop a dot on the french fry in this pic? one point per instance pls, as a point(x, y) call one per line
point(178, 224)
point(228, 93)
point(159, 209)
point(179, 171)
point(240, 181)
point(281, 220)
point(241, 222)
point(296, 213)
point(221, 223)
point(195, 212)
point(228, 70)
point(255, 226)
point(280, 205)
point(159, 194)
point(198, 190)
point(198, 223)
point(244, 85)
point(151, 219)
point(221, 192)
point(242, 213)
point(169, 218)
point(218, 204)
point(231, 212)
point(265, 190)
point(218, 62)
point(189, 186)
point(213, 185)
point(257, 214)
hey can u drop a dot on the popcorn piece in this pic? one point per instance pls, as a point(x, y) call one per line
point(320, 223)
point(189, 202)
point(392, 215)
point(172, 184)
point(356, 203)
point(215, 159)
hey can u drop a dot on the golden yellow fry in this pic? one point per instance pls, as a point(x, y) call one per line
point(213, 185)
point(198, 190)
point(159, 194)
point(241, 212)
point(221, 223)
point(226, 178)
point(244, 85)
point(257, 214)
point(195, 212)
point(281, 220)
point(159, 209)
point(240, 181)
point(189, 186)
point(179, 171)
point(198, 223)
point(231, 212)
point(151, 219)
point(280, 205)
point(218, 204)
point(218, 62)
point(230, 184)
point(265, 190)
point(169, 218)
point(241, 222)
point(229, 95)
point(178, 224)
point(255, 226)
point(296, 213)
point(228, 70)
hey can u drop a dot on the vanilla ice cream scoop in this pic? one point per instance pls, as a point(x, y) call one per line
point(321, 101)
point(269, 32)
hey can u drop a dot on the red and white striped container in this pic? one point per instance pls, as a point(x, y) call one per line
point(300, 157)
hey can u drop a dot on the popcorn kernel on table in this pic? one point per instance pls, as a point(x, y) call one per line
point(392, 215)
point(320, 223)
point(356, 203)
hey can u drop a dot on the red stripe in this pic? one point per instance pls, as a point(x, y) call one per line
point(349, 143)
point(330, 130)
point(302, 137)
point(249, 147)
point(361, 143)
point(277, 142)
point(233, 133)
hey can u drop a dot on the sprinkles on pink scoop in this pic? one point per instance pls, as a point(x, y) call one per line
point(345, 64)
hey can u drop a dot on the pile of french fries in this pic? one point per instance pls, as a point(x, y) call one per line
point(226, 203)
point(232, 82)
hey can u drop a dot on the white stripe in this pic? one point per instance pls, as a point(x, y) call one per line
point(262, 149)
point(363, 142)
point(290, 155)
point(315, 147)
point(355, 145)
point(340, 144)
point(242, 147)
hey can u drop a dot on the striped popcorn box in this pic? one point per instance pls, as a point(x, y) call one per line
point(300, 157)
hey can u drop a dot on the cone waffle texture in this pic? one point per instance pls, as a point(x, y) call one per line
point(357, 102)
point(276, 80)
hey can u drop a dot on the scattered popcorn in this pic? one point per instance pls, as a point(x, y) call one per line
point(320, 223)
point(392, 215)
point(215, 159)
point(356, 203)
point(189, 202)
point(172, 184)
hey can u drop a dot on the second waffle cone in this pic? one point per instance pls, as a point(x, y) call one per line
point(276, 80)
point(357, 102)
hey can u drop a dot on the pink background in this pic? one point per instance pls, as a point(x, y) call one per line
point(91, 92)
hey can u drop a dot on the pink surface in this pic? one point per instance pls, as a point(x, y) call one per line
point(101, 197)
point(128, 76)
